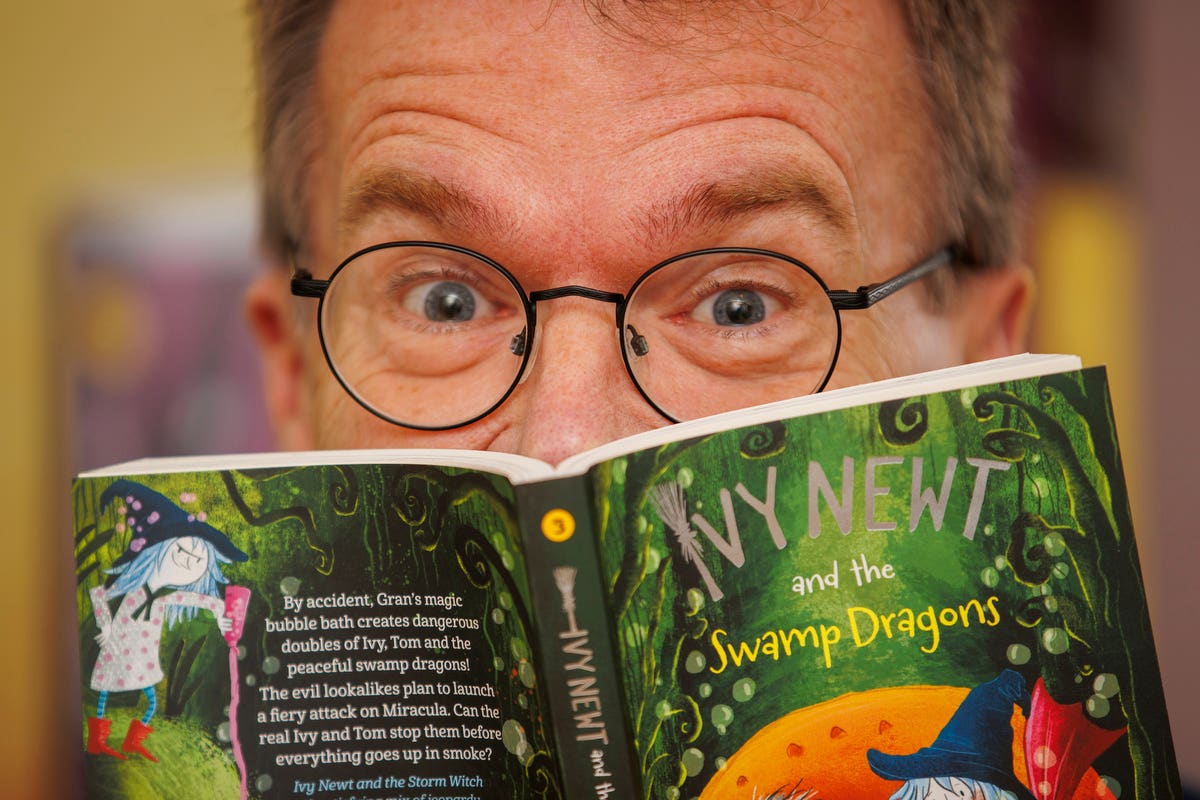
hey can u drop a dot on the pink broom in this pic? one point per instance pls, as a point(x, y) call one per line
point(237, 598)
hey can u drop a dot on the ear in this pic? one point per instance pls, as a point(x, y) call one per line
point(269, 313)
point(991, 309)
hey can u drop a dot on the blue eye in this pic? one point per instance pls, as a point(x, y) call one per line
point(738, 307)
point(449, 301)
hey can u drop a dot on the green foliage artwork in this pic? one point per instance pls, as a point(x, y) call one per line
point(932, 542)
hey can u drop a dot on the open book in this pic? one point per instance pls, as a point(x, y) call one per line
point(931, 577)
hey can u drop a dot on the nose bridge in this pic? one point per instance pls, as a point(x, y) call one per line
point(545, 312)
point(572, 332)
point(575, 393)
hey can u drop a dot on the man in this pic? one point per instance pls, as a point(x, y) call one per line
point(578, 143)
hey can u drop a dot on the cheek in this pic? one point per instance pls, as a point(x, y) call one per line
point(897, 337)
point(172, 575)
point(338, 422)
point(931, 340)
point(334, 419)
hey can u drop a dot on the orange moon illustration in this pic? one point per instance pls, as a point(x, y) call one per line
point(824, 747)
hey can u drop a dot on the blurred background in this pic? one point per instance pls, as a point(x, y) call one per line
point(127, 225)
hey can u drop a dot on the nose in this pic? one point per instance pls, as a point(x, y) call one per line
point(576, 393)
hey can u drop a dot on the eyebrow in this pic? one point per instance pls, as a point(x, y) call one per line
point(718, 202)
point(702, 205)
point(444, 204)
point(183, 549)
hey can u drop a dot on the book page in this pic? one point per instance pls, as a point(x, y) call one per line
point(512, 466)
point(338, 631)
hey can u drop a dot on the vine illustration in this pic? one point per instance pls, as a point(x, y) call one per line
point(653, 607)
point(1066, 551)
point(181, 682)
point(1075, 563)
point(1055, 551)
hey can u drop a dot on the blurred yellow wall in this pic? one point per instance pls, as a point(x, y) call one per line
point(92, 93)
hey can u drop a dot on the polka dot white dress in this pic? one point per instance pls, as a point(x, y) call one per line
point(129, 658)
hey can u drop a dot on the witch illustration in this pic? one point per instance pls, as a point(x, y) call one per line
point(170, 570)
point(972, 756)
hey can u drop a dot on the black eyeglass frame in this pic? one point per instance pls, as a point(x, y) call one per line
point(304, 285)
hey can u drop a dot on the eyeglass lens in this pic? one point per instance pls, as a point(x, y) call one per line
point(431, 337)
point(727, 330)
point(423, 335)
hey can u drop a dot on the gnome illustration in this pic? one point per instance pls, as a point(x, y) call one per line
point(170, 569)
point(972, 756)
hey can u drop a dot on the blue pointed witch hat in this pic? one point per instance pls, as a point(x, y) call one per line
point(976, 743)
point(150, 518)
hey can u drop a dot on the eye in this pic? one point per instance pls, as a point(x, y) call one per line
point(738, 307)
point(446, 301)
point(182, 556)
point(443, 298)
point(734, 307)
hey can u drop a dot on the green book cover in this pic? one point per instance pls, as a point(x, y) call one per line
point(804, 607)
point(934, 593)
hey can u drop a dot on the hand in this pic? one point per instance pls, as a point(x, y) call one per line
point(224, 623)
point(104, 635)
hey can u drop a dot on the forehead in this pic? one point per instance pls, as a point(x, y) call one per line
point(619, 57)
point(513, 35)
point(553, 94)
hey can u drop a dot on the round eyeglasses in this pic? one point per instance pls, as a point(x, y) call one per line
point(433, 336)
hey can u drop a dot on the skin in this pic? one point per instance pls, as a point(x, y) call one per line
point(186, 562)
point(573, 153)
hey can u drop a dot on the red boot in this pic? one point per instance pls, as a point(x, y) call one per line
point(138, 731)
point(98, 730)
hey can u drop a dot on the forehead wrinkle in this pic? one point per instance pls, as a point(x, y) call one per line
point(445, 204)
point(712, 204)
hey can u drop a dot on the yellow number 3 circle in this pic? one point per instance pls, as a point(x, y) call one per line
point(558, 525)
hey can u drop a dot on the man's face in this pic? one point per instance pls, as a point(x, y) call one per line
point(575, 152)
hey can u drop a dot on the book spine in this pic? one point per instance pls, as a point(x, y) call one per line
point(575, 642)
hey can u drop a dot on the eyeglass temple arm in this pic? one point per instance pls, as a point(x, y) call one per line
point(869, 295)
point(305, 285)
